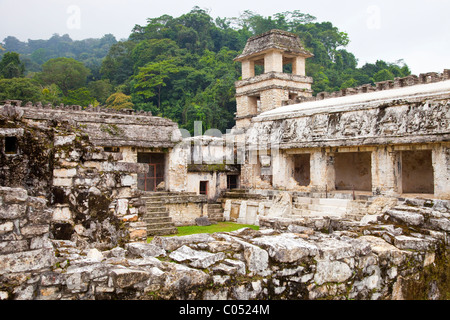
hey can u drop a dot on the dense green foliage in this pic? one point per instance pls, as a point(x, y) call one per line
point(181, 68)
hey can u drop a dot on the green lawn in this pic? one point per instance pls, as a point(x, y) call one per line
point(220, 227)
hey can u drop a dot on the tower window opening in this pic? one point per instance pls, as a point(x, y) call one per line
point(11, 145)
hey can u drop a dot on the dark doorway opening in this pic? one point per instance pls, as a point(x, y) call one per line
point(302, 169)
point(204, 187)
point(149, 181)
point(417, 172)
point(232, 182)
point(11, 145)
point(353, 171)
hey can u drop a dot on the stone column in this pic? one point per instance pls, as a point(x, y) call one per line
point(386, 172)
point(441, 169)
point(298, 66)
point(248, 69)
point(281, 169)
point(273, 62)
point(322, 171)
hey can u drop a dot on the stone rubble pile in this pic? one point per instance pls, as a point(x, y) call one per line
point(387, 258)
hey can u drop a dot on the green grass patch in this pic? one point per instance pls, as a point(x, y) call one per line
point(220, 227)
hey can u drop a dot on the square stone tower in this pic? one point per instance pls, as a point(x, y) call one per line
point(259, 93)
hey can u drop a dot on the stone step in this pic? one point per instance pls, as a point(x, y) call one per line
point(411, 209)
point(161, 195)
point(247, 196)
point(161, 214)
point(161, 232)
point(237, 191)
point(154, 204)
point(156, 209)
point(321, 201)
point(215, 206)
point(333, 202)
point(215, 210)
point(312, 213)
point(151, 220)
point(324, 208)
point(161, 225)
point(321, 208)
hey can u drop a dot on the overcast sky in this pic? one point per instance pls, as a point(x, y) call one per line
point(413, 30)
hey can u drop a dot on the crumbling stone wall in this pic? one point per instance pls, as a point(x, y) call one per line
point(93, 196)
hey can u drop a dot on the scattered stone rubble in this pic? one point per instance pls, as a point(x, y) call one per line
point(401, 253)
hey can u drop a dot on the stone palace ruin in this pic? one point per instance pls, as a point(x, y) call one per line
point(350, 189)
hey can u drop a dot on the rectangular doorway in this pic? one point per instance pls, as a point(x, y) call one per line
point(204, 187)
point(232, 182)
point(302, 169)
point(353, 171)
point(417, 172)
point(150, 180)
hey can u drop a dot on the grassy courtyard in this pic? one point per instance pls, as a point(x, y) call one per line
point(220, 227)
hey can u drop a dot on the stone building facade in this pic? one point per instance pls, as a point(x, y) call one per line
point(389, 139)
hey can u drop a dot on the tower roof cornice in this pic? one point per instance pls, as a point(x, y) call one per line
point(287, 42)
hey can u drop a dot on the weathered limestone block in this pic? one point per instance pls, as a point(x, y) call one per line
point(125, 277)
point(6, 227)
point(127, 181)
point(13, 246)
point(95, 255)
point(411, 218)
point(121, 207)
point(287, 247)
point(26, 261)
point(385, 251)
point(412, 243)
point(62, 213)
point(64, 140)
point(13, 195)
point(173, 243)
point(282, 206)
point(197, 259)
point(34, 230)
point(333, 249)
point(62, 182)
point(64, 173)
point(442, 224)
point(257, 259)
point(145, 250)
point(124, 167)
point(12, 211)
point(180, 278)
point(247, 292)
point(331, 271)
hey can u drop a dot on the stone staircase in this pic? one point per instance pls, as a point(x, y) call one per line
point(157, 216)
point(215, 212)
